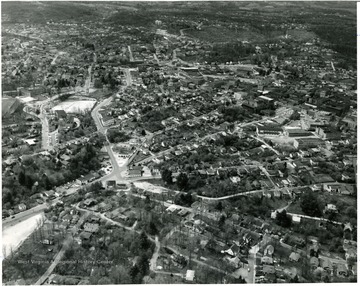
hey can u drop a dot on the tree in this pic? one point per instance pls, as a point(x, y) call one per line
point(310, 205)
point(182, 181)
point(166, 175)
point(120, 275)
point(219, 206)
point(222, 221)
point(134, 271)
point(283, 219)
point(144, 242)
point(21, 178)
point(351, 212)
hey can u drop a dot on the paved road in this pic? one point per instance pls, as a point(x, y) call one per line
point(262, 168)
point(130, 54)
point(23, 215)
point(267, 145)
point(45, 129)
point(315, 218)
point(116, 170)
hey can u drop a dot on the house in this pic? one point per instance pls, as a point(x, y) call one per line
point(105, 207)
point(269, 269)
point(267, 260)
point(314, 250)
point(60, 113)
point(347, 190)
point(233, 250)
point(65, 157)
point(91, 227)
point(325, 263)
point(294, 256)
point(234, 261)
point(332, 188)
point(122, 186)
point(49, 194)
point(330, 208)
point(296, 219)
point(86, 179)
point(190, 276)
point(85, 235)
point(314, 262)
point(183, 212)
point(235, 179)
point(341, 270)
point(47, 241)
point(269, 250)
point(111, 184)
point(21, 207)
point(89, 202)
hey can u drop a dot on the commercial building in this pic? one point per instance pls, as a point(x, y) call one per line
point(302, 143)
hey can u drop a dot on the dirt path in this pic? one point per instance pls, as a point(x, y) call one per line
point(155, 256)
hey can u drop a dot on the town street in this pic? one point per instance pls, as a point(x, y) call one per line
point(10, 221)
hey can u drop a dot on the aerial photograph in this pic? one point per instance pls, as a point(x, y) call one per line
point(183, 142)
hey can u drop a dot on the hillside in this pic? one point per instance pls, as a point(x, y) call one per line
point(9, 106)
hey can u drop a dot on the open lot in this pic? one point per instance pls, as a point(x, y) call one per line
point(14, 236)
point(75, 106)
point(150, 187)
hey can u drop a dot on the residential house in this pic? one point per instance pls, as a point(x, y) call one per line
point(325, 263)
point(49, 194)
point(60, 114)
point(341, 270)
point(269, 269)
point(85, 235)
point(314, 262)
point(269, 250)
point(190, 276)
point(111, 184)
point(233, 250)
point(21, 207)
point(330, 208)
point(89, 202)
point(91, 227)
point(267, 260)
point(48, 241)
point(294, 256)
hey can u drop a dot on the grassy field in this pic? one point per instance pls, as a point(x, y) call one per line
point(301, 35)
point(221, 34)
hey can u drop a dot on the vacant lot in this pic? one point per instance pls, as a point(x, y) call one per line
point(14, 236)
point(75, 106)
